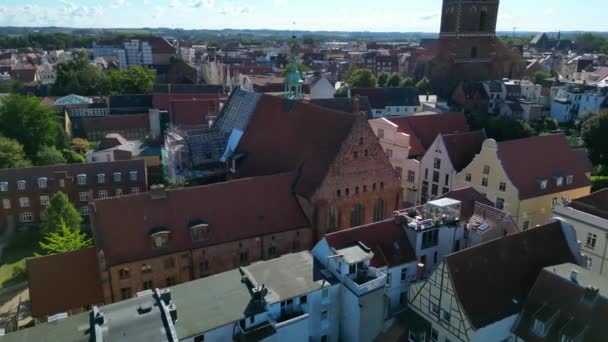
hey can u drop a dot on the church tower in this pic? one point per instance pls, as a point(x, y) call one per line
point(293, 79)
point(466, 18)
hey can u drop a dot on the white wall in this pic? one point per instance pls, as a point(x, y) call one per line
point(322, 90)
point(100, 157)
point(498, 331)
point(437, 150)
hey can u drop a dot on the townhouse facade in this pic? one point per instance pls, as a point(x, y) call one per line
point(501, 171)
point(25, 193)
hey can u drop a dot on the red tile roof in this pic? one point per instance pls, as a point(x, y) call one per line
point(27, 75)
point(543, 157)
point(284, 136)
point(463, 147)
point(468, 197)
point(192, 112)
point(160, 45)
point(425, 128)
point(234, 210)
point(595, 204)
point(492, 280)
point(382, 238)
point(61, 282)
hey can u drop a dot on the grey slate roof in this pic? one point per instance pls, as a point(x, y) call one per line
point(237, 111)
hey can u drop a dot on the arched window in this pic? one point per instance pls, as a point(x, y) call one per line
point(483, 16)
point(379, 210)
point(159, 237)
point(199, 230)
point(356, 215)
point(361, 141)
point(333, 220)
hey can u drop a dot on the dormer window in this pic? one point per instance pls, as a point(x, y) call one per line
point(21, 185)
point(81, 179)
point(3, 187)
point(42, 182)
point(559, 181)
point(133, 175)
point(538, 328)
point(117, 177)
point(101, 178)
point(486, 170)
point(159, 237)
point(569, 179)
point(199, 230)
point(542, 183)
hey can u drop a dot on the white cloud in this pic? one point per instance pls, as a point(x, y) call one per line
point(549, 10)
point(146, 2)
point(158, 12)
point(202, 3)
point(118, 3)
point(233, 9)
point(280, 2)
point(176, 4)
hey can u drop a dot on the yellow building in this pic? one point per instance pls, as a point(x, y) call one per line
point(528, 177)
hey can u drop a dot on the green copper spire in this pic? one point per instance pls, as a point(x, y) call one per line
point(293, 80)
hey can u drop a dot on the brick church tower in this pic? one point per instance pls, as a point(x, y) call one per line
point(467, 48)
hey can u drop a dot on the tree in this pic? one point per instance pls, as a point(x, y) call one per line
point(303, 69)
point(61, 210)
point(382, 79)
point(78, 76)
point(49, 155)
point(500, 128)
point(394, 81)
point(65, 240)
point(589, 42)
point(11, 154)
point(408, 82)
point(71, 157)
point(540, 76)
point(12, 86)
point(81, 146)
point(424, 87)
point(134, 80)
point(362, 78)
point(26, 120)
point(594, 135)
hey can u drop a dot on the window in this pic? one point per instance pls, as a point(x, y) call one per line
point(3, 187)
point(430, 239)
point(356, 215)
point(43, 214)
point(591, 241)
point(435, 309)
point(559, 181)
point(133, 175)
point(101, 178)
point(411, 176)
point(117, 177)
point(484, 182)
point(380, 133)
point(569, 180)
point(103, 194)
point(332, 219)
point(526, 225)
point(85, 211)
point(469, 178)
point(436, 176)
point(361, 141)
point(435, 256)
point(324, 315)
point(325, 293)
point(437, 163)
point(42, 182)
point(355, 155)
point(446, 316)
point(21, 185)
point(486, 170)
point(26, 217)
point(44, 200)
point(24, 202)
point(135, 190)
point(434, 189)
point(272, 251)
point(81, 179)
point(244, 258)
point(434, 335)
point(200, 338)
point(426, 173)
point(124, 273)
point(170, 281)
point(445, 191)
point(538, 328)
point(447, 180)
point(125, 293)
point(403, 274)
point(303, 299)
point(379, 210)
point(389, 152)
point(388, 279)
point(366, 153)
point(118, 192)
point(6, 203)
point(148, 285)
point(199, 232)
point(399, 171)
point(543, 184)
point(83, 196)
point(502, 187)
point(500, 203)
point(160, 239)
point(203, 267)
point(588, 262)
point(146, 269)
point(169, 263)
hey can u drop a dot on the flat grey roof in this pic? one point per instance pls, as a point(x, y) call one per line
point(354, 254)
point(584, 277)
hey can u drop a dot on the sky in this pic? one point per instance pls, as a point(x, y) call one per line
point(314, 15)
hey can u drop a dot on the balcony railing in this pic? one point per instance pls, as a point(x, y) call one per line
point(365, 281)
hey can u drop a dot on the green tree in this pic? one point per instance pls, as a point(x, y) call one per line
point(26, 120)
point(500, 128)
point(78, 76)
point(394, 81)
point(11, 154)
point(81, 146)
point(49, 155)
point(59, 211)
point(362, 78)
point(65, 240)
point(589, 42)
point(12, 86)
point(72, 157)
point(303, 69)
point(134, 80)
point(382, 79)
point(424, 87)
point(540, 76)
point(594, 135)
point(408, 82)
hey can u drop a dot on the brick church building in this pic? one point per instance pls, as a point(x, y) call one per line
point(467, 48)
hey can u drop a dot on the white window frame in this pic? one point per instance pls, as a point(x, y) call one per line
point(6, 203)
point(117, 177)
point(103, 194)
point(83, 196)
point(26, 217)
point(3, 187)
point(118, 192)
point(135, 190)
point(45, 200)
point(21, 185)
point(569, 180)
point(591, 241)
point(81, 179)
point(133, 176)
point(43, 182)
point(85, 211)
point(101, 178)
point(500, 203)
point(24, 202)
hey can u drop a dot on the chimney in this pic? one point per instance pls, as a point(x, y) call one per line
point(574, 276)
point(357, 104)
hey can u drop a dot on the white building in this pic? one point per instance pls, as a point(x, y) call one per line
point(320, 87)
point(388, 102)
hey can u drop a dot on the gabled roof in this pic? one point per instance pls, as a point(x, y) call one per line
point(284, 136)
point(73, 100)
point(65, 281)
point(595, 204)
point(463, 147)
point(490, 216)
point(492, 280)
point(423, 129)
point(528, 161)
point(386, 239)
point(26, 75)
point(381, 98)
point(468, 197)
point(227, 207)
